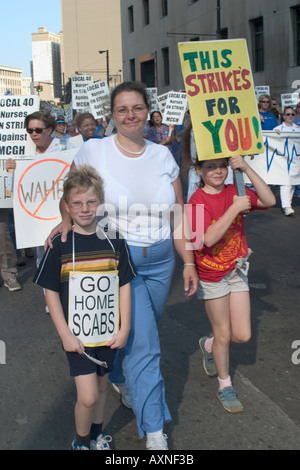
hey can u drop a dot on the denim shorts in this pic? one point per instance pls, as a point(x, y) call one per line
point(236, 281)
point(81, 365)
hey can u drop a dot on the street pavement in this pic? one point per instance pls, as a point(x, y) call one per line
point(37, 395)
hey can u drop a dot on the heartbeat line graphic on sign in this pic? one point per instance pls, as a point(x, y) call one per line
point(289, 152)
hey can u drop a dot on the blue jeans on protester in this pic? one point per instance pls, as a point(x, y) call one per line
point(139, 360)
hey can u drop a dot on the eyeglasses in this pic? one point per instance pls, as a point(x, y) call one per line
point(38, 130)
point(122, 111)
point(265, 101)
point(76, 205)
point(214, 166)
point(289, 114)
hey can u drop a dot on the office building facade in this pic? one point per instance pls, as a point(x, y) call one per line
point(152, 29)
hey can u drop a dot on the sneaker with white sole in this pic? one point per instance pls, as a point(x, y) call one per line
point(156, 441)
point(288, 211)
point(208, 360)
point(229, 400)
point(12, 284)
point(101, 443)
point(123, 390)
point(76, 446)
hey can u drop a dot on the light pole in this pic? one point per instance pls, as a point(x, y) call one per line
point(107, 64)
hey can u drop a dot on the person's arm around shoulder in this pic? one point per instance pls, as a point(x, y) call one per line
point(69, 341)
point(64, 226)
point(265, 196)
point(120, 338)
point(183, 245)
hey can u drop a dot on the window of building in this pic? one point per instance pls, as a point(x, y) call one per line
point(257, 27)
point(146, 12)
point(132, 70)
point(164, 7)
point(148, 73)
point(224, 33)
point(130, 19)
point(296, 33)
point(166, 62)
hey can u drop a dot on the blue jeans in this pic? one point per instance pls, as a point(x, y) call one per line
point(297, 190)
point(141, 356)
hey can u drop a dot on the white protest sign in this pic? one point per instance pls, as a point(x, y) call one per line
point(99, 98)
point(69, 113)
point(280, 163)
point(14, 140)
point(175, 108)
point(161, 102)
point(38, 187)
point(289, 99)
point(80, 99)
point(261, 90)
point(94, 306)
point(152, 96)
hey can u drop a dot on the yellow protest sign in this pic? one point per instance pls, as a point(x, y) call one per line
point(220, 92)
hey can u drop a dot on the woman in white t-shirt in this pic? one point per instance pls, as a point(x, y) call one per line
point(287, 192)
point(141, 186)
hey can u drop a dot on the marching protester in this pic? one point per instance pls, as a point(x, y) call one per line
point(86, 125)
point(8, 260)
point(125, 161)
point(267, 118)
point(287, 191)
point(83, 193)
point(71, 129)
point(60, 130)
point(158, 132)
point(40, 126)
point(222, 265)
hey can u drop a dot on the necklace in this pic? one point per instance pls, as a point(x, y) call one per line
point(129, 151)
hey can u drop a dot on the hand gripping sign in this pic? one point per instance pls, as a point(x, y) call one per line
point(94, 306)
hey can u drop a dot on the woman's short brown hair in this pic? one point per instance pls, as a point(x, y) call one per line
point(45, 117)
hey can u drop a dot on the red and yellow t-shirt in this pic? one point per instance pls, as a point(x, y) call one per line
point(213, 263)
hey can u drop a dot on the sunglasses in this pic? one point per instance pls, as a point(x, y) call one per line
point(264, 101)
point(37, 130)
point(289, 114)
point(214, 166)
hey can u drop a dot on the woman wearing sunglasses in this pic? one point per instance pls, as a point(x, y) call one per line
point(40, 126)
point(267, 119)
point(287, 192)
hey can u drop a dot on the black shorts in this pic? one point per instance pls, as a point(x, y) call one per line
point(80, 365)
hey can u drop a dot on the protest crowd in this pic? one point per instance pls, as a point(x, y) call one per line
point(146, 154)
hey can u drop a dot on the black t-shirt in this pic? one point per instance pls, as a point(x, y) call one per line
point(92, 254)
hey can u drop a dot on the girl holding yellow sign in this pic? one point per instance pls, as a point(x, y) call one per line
point(222, 265)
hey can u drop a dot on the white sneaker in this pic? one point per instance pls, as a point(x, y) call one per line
point(156, 441)
point(102, 443)
point(123, 390)
point(288, 211)
point(12, 284)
